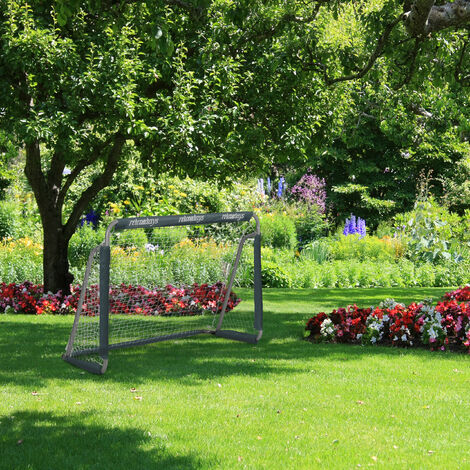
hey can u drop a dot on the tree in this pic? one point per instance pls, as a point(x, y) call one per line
point(400, 100)
point(199, 87)
point(83, 81)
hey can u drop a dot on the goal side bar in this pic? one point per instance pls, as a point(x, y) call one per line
point(69, 356)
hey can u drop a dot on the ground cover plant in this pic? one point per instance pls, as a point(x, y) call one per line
point(208, 403)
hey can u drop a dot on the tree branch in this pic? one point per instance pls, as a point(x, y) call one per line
point(80, 166)
point(374, 56)
point(417, 18)
point(103, 180)
point(35, 176)
point(411, 59)
point(425, 17)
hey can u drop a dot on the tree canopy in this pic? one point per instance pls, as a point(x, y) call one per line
point(213, 88)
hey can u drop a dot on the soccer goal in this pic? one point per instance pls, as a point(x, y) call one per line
point(161, 278)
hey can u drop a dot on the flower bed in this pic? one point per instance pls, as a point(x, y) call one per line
point(444, 326)
point(196, 299)
point(137, 300)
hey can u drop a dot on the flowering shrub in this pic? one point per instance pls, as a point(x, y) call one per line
point(311, 190)
point(446, 325)
point(124, 299)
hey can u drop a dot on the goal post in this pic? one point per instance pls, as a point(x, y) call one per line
point(168, 277)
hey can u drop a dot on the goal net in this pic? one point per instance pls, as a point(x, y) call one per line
point(160, 278)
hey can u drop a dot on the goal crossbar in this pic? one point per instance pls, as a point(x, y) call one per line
point(79, 352)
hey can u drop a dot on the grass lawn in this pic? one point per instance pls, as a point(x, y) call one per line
point(205, 403)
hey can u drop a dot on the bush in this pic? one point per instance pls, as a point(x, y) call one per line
point(310, 225)
point(82, 242)
point(167, 237)
point(278, 231)
point(20, 260)
point(131, 239)
point(273, 275)
point(9, 219)
point(367, 248)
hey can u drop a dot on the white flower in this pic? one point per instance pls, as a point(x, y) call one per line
point(327, 328)
point(404, 338)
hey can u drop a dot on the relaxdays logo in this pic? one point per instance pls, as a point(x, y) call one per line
point(191, 219)
point(233, 216)
point(143, 222)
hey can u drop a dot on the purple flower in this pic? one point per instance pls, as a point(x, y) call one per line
point(311, 190)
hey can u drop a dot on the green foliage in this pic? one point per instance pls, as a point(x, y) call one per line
point(310, 225)
point(82, 242)
point(278, 231)
point(167, 237)
point(134, 239)
point(374, 273)
point(273, 275)
point(318, 251)
point(362, 249)
point(20, 260)
point(10, 223)
point(429, 234)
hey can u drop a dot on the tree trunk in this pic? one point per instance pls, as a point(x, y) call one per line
point(49, 192)
point(56, 240)
point(55, 257)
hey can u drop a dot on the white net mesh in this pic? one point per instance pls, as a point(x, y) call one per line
point(169, 282)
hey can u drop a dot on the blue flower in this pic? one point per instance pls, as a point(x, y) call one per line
point(90, 218)
point(354, 226)
point(281, 186)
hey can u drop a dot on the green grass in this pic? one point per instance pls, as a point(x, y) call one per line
point(212, 403)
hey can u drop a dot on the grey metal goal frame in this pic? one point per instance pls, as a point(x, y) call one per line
point(104, 279)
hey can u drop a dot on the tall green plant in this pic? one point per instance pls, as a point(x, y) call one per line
point(426, 242)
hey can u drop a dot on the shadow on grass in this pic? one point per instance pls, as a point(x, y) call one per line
point(30, 355)
point(40, 440)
